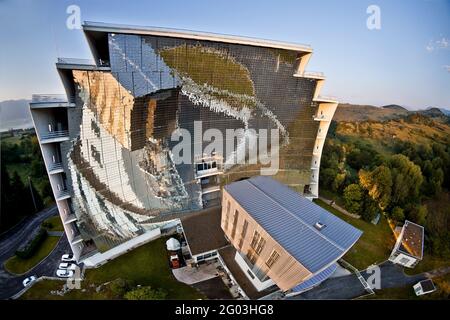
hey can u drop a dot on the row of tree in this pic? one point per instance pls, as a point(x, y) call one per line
point(397, 179)
point(25, 195)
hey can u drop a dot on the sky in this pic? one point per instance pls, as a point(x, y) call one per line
point(406, 61)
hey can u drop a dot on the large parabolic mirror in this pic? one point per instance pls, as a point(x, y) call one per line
point(121, 163)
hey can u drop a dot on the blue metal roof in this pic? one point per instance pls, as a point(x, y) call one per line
point(289, 218)
point(316, 279)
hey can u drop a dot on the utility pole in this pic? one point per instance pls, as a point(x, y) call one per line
point(32, 194)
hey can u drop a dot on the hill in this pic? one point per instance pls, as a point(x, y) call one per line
point(14, 114)
point(355, 113)
point(347, 112)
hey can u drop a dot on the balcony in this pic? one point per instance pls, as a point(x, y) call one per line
point(77, 239)
point(208, 166)
point(40, 101)
point(70, 218)
point(310, 74)
point(55, 167)
point(54, 136)
point(321, 117)
point(330, 99)
point(82, 64)
point(62, 194)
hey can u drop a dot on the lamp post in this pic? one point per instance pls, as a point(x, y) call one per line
point(32, 194)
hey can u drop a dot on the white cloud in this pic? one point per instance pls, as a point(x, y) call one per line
point(447, 67)
point(443, 43)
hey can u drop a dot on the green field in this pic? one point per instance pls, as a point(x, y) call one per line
point(375, 244)
point(56, 224)
point(18, 265)
point(145, 266)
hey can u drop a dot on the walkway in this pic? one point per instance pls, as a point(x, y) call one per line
point(334, 205)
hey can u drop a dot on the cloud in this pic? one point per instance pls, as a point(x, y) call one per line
point(442, 43)
point(447, 67)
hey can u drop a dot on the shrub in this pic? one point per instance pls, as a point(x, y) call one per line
point(146, 293)
point(397, 214)
point(120, 287)
point(32, 246)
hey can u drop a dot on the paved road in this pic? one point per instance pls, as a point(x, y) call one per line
point(349, 287)
point(12, 239)
point(11, 284)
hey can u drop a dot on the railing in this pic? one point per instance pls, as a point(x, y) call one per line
point(76, 239)
point(55, 135)
point(84, 62)
point(321, 117)
point(322, 97)
point(70, 218)
point(55, 166)
point(45, 98)
point(313, 74)
point(62, 194)
point(76, 61)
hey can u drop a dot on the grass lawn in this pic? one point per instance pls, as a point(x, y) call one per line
point(375, 244)
point(428, 263)
point(56, 223)
point(19, 266)
point(146, 266)
point(329, 195)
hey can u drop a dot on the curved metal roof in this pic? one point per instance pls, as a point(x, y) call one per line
point(291, 220)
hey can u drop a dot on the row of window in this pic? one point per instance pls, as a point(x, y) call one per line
point(257, 244)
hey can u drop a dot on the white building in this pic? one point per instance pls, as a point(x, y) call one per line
point(408, 249)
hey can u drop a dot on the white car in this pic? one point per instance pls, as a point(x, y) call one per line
point(64, 273)
point(67, 258)
point(28, 281)
point(67, 266)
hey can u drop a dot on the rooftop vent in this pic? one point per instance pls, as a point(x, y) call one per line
point(319, 225)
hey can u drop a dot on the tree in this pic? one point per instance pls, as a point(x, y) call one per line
point(418, 214)
point(406, 179)
point(327, 177)
point(370, 208)
point(378, 183)
point(146, 293)
point(397, 214)
point(353, 196)
point(338, 181)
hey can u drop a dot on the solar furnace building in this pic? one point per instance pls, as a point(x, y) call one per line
point(108, 143)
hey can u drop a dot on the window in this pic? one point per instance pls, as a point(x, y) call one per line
point(251, 256)
point(260, 245)
point(227, 214)
point(235, 220)
point(258, 242)
point(255, 240)
point(404, 260)
point(243, 233)
point(272, 259)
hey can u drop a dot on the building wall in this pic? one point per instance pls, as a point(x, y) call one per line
point(118, 160)
point(286, 272)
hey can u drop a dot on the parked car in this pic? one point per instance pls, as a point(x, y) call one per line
point(68, 258)
point(64, 273)
point(28, 281)
point(174, 261)
point(67, 266)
